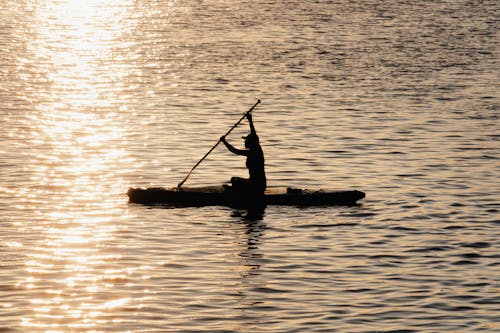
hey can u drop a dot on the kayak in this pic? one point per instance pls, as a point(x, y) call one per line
point(221, 196)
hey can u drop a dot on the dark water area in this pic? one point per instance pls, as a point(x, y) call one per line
point(398, 99)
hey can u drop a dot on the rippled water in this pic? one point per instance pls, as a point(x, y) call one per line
point(395, 98)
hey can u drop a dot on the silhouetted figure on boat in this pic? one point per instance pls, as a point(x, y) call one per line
point(254, 186)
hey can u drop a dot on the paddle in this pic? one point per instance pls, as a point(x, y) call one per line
point(227, 133)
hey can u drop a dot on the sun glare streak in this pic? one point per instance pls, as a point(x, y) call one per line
point(75, 138)
point(77, 39)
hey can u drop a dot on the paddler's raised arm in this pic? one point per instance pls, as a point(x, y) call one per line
point(250, 121)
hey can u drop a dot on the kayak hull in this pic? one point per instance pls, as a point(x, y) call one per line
point(219, 196)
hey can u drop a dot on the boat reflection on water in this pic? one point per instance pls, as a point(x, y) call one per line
point(251, 261)
point(250, 215)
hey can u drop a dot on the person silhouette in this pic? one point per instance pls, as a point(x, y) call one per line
point(255, 185)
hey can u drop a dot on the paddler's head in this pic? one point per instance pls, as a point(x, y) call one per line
point(251, 141)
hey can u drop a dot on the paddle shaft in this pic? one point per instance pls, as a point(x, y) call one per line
point(211, 149)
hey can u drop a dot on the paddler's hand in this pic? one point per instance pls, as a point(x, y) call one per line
point(223, 139)
point(249, 117)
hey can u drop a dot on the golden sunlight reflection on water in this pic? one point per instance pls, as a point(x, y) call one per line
point(74, 45)
point(76, 135)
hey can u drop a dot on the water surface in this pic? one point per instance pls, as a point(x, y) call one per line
point(398, 99)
